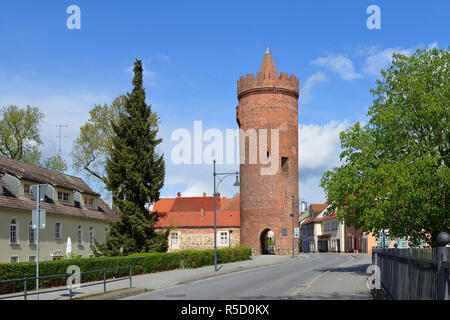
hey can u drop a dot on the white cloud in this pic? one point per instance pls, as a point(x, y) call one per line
point(339, 64)
point(319, 145)
point(310, 84)
point(319, 149)
point(433, 45)
point(380, 59)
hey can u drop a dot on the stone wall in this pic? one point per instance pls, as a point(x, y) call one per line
point(202, 239)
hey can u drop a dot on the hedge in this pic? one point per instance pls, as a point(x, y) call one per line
point(141, 264)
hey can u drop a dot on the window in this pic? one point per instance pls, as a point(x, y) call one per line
point(88, 201)
point(285, 164)
point(284, 232)
point(174, 238)
point(91, 235)
point(31, 258)
point(224, 237)
point(80, 236)
point(14, 259)
point(13, 232)
point(26, 189)
point(31, 239)
point(63, 196)
point(58, 228)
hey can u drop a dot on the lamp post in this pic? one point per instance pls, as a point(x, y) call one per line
point(39, 221)
point(293, 227)
point(236, 184)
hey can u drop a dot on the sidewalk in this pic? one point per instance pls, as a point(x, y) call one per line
point(160, 280)
point(346, 282)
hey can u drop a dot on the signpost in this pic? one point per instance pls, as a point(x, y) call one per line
point(297, 233)
point(38, 221)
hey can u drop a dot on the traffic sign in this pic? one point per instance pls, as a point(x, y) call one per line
point(297, 233)
point(42, 219)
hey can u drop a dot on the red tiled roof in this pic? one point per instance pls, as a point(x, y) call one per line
point(187, 212)
point(195, 219)
point(325, 218)
point(319, 207)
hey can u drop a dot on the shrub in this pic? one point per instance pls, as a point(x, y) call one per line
point(141, 263)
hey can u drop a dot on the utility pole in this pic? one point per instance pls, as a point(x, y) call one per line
point(60, 136)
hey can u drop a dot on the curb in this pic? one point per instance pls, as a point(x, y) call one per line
point(114, 295)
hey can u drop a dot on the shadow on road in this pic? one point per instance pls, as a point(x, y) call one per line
point(359, 269)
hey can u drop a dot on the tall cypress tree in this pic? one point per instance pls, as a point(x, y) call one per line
point(135, 174)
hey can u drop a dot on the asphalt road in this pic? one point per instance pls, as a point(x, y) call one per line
point(277, 282)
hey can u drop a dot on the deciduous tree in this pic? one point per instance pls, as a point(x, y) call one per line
point(395, 174)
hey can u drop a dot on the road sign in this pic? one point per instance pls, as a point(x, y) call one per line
point(296, 233)
point(42, 219)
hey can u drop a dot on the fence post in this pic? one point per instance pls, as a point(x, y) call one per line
point(410, 272)
point(104, 281)
point(25, 289)
point(131, 273)
point(442, 240)
point(70, 292)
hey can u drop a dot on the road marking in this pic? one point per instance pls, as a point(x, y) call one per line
point(305, 288)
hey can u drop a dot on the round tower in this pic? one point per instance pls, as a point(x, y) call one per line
point(269, 185)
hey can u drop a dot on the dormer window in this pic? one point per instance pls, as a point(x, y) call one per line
point(63, 196)
point(27, 189)
point(88, 201)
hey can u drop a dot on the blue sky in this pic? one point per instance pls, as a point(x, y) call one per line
point(194, 53)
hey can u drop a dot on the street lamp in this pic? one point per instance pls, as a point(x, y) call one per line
point(293, 227)
point(38, 222)
point(236, 184)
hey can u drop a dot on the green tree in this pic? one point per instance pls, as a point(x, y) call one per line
point(55, 163)
point(135, 175)
point(20, 133)
point(93, 146)
point(395, 172)
point(20, 137)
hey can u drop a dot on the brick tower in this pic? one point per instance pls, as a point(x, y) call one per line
point(269, 102)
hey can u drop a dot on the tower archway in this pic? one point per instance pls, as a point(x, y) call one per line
point(267, 241)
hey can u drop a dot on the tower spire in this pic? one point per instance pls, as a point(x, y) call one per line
point(268, 65)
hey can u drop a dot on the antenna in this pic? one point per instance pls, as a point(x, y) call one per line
point(60, 136)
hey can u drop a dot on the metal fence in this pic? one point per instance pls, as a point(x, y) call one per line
point(414, 273)
point(69, 288)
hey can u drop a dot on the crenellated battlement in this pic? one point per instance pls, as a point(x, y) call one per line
point(265, 80)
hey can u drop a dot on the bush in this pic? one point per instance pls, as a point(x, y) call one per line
point(141, 263)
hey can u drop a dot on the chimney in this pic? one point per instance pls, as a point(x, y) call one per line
point(204, 194)
point(179, 194)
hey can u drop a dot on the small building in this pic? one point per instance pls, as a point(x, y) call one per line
point(323, 232)
point(191, 222)
point(73, 210)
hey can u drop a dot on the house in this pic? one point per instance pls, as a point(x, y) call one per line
point(73, 210)
point(191, 221)
point(323, 232)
